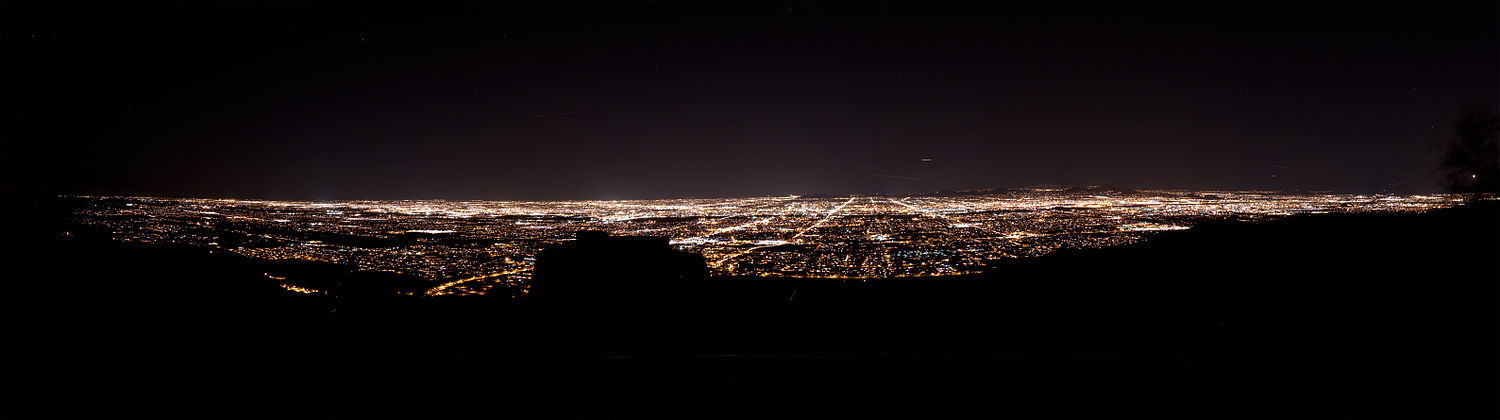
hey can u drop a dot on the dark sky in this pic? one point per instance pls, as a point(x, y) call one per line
point(641, 100)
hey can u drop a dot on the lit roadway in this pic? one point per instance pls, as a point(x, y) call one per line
point(937, 215)
point(830, 215)
point(438, 291)
point(799, 234)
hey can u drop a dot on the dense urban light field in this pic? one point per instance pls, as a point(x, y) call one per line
point(471, 247)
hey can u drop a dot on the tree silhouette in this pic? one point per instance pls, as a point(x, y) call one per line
point(1471, 163)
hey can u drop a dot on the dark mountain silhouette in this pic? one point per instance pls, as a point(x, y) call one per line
point(1100, 190)
point(1321, 315)
point(948, 192)
point(599, 269)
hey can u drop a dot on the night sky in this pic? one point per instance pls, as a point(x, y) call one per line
point(643, 100)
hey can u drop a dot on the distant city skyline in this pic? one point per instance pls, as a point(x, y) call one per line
point(470, 247)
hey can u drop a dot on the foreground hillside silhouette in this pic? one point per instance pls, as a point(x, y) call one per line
point(1323, 315)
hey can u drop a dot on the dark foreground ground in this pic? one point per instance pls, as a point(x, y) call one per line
point(1328, 315)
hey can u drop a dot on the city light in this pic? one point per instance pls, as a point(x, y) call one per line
point(470, 247)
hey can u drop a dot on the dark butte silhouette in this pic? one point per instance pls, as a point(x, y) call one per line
point(597, 269)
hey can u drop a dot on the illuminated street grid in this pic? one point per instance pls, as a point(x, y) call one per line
point(469, 247)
